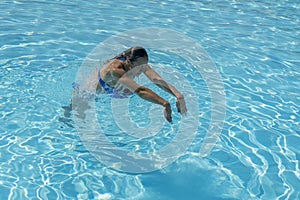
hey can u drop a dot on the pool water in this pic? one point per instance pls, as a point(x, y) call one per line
point(255, 46)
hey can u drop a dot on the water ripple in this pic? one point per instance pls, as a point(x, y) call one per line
point(256, 48)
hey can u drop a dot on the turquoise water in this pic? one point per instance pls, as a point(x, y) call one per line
point(255, 46)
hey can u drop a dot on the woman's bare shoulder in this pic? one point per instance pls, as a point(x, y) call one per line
point(114, 68)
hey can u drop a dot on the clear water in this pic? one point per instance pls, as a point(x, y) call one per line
point(255, 46)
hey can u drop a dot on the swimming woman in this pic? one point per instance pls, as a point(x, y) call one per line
point(116, 78)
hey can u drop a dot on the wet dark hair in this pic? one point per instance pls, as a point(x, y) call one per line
point(133, 53)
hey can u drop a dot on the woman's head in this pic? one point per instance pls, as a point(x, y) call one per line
point(137, 55)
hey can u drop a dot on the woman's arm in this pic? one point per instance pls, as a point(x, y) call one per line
point(147, 94)
point(160, 82)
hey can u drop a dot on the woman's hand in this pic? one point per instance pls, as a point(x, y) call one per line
point(180, 104)
point(168, 112)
